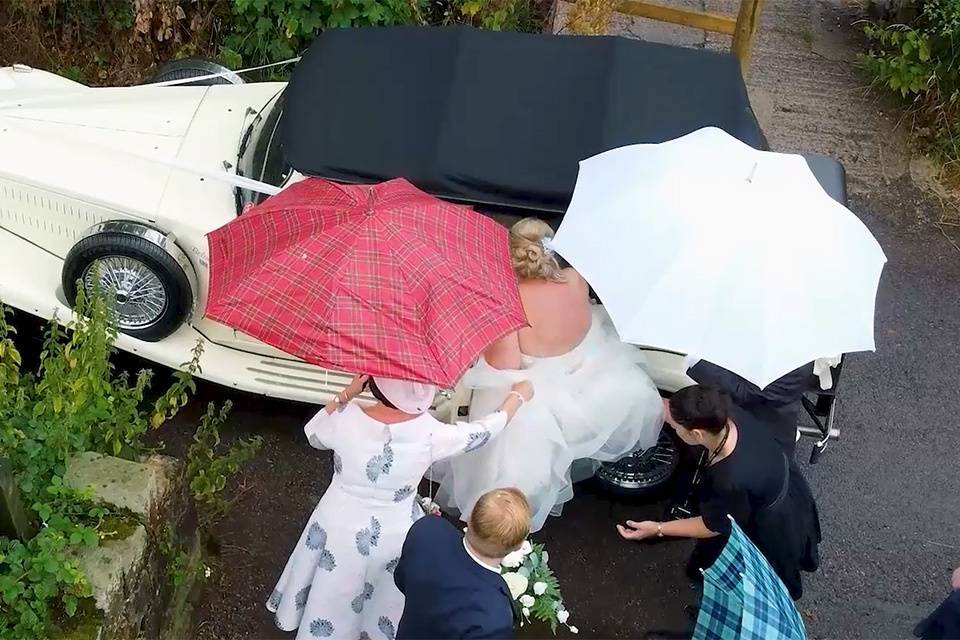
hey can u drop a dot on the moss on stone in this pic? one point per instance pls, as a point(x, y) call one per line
point(118, 526)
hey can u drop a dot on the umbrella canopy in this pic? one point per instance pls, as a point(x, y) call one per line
point(706, 246)
point(384, 280)
point(744, 599)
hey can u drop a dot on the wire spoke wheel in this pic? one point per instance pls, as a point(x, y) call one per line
point(643, 471)
point(135, 291)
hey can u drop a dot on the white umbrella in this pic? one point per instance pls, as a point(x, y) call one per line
point(704, 245)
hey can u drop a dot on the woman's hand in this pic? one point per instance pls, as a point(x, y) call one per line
point(355, 387)
point(524, 388)
point(955, 582)
point(639, 530)
point(520, 392)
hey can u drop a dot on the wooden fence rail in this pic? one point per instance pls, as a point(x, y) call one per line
point(742, 28)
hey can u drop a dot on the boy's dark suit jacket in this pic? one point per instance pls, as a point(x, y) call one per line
point(448, 595)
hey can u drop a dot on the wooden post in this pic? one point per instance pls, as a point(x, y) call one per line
point(747, 21)
point(683, 17)
point(591, 16)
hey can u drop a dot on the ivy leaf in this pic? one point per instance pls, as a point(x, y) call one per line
point(264, 25)
point(70, 605)
point(293, 25)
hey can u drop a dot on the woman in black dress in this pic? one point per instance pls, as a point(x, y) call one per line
point(749, 477)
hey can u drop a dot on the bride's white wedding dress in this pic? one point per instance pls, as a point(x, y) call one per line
point(593, 404)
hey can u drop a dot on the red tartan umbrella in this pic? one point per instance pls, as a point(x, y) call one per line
point(384, 279)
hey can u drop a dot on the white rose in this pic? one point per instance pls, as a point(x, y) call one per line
point(512, 560)
point(527, 600)
point(539, 588)
point(574, 630)
point(516, 583)
point(526, 548)
point(562, 616)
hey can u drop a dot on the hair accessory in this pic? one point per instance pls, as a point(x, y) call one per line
point(547, 243)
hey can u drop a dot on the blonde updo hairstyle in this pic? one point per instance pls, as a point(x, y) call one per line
point(531, 259)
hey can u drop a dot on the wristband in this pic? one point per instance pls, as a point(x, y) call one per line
point(523, 400)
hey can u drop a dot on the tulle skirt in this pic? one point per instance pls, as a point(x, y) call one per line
point(594, 404)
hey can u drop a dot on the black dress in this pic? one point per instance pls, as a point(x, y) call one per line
point(767, 495)
point(944, 623)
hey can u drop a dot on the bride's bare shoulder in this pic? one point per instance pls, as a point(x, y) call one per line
point(572, 276)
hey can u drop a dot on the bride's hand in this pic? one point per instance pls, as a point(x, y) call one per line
point(638, 530)
point(524, 388)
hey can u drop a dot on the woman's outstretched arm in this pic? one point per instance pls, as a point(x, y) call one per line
point(686, 528)
point(462, 437)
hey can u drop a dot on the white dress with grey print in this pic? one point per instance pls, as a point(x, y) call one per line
point(338, 582)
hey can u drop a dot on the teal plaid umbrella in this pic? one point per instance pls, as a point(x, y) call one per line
point(744, 599)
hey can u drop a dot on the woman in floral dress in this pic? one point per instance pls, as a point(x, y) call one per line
point(338, 582)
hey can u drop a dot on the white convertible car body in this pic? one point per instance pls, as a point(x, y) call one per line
point(73, 158)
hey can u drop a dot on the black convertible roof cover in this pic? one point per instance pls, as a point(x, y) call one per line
point(496, 118)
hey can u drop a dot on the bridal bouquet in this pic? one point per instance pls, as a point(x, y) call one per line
point(533, 587)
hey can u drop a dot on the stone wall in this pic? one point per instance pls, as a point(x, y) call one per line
point(130, 573)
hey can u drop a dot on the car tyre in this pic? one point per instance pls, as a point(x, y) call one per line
point(148, 287)
point(195, 68)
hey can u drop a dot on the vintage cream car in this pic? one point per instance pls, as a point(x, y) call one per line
point(131, 179)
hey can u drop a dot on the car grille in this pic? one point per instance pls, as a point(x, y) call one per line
point(302, 377)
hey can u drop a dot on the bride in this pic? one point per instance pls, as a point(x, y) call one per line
point(594, 403)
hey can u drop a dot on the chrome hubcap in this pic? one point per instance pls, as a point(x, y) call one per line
point(138, 296)
point(643, 469)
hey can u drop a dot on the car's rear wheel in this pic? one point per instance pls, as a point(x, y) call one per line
point(195, 68)
point(146, 285)
point(642, 473)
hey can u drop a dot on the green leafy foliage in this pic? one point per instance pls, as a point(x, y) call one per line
point(921, 62)
point(74, 402)
point(272, 30)
point(209, 467)
point(901, 58)
point(495, 15)
point(264, 31)
point(179, 568)
point(541, 599)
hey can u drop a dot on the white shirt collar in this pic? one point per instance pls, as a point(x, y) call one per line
point(480, 562)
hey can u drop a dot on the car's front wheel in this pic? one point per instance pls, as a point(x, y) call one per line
point(146, 285)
